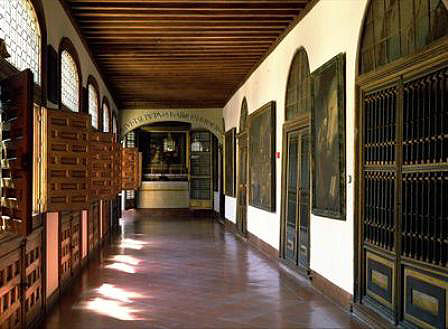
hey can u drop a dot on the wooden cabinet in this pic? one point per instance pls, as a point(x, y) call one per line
point(16, 153)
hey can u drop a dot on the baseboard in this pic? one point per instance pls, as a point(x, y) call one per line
point(52, 300)
point(263, 247)
point(369, 318)
point(336, 294)
point(218, 217)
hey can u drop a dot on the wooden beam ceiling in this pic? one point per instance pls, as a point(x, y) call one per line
point(191, 53)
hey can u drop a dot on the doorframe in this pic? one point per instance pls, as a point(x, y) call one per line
point(302, 121)
point(242, 136)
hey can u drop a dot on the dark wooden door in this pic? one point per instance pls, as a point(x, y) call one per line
point(297, 212)
point(241, 218)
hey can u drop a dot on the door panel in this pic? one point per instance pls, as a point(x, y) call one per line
point(291, 210)
point(304, 203)
point(242, 186)
point(297, 206)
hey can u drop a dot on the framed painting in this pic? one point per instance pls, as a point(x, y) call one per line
point(229, 154)
point(262, 157)
point(328, 145)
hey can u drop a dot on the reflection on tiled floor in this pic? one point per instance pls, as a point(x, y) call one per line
point(181, 272)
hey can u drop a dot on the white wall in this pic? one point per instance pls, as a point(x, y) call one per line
point(216, 201)
point(230, 208)
point(330, 28)
point(59, 26)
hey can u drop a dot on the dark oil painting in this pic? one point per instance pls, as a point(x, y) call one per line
point(229, 150)
point(262, 158)
point(328, 127)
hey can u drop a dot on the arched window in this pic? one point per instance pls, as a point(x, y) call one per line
point(394, 29)
point(106, 116)
point(243, 115)
point(114, 125)
point(298, 90)
point(92, 91)
point(19, 27)
point(69, 82)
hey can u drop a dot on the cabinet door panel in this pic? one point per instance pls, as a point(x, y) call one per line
point(129, 169)
point(66, 159)
point(16, 153)
point(101, 163)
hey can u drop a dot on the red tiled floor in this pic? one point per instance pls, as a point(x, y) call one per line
point(181, 272)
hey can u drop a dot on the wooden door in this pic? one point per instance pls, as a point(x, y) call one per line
point(297, 205)
point(241, 218)
point(404, 186)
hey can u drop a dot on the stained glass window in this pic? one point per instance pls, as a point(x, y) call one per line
point(395, 29)
point(298, 94)
point(69, 82)
point(93, 105)
point(106, 118)
point(19, 28)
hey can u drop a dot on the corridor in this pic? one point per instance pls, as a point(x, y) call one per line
point(182, 272)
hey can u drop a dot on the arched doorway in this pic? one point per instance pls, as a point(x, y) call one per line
point(176, 166)
point(295, 216)
point(402, 164)
point(241, 213)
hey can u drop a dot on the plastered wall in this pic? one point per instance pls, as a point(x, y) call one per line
point(59, 26)
point(330, 28)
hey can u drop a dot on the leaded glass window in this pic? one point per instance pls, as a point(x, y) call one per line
point(395, 29)
point(106, 118)
point(19, 28)
point(69, 82)
point(93, 105)
point(298, 93)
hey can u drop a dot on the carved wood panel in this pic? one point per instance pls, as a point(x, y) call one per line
point(76, 239)
point(21, 299)
point(117, 168)
point(16, 153)
point(66, 160)
point(33, 278)
point(106, 217)
point(10, 278)
point(65, 242)
point(101, 163)
point(69, 237)
point(93, 226)
point(130, 169)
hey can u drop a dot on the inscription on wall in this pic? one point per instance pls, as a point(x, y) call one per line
point(160, 116)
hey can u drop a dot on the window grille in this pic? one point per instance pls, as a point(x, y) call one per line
point(69, 82)
point(20, 29)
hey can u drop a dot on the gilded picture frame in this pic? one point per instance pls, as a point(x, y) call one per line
point(328, 139)
point(262, 141)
